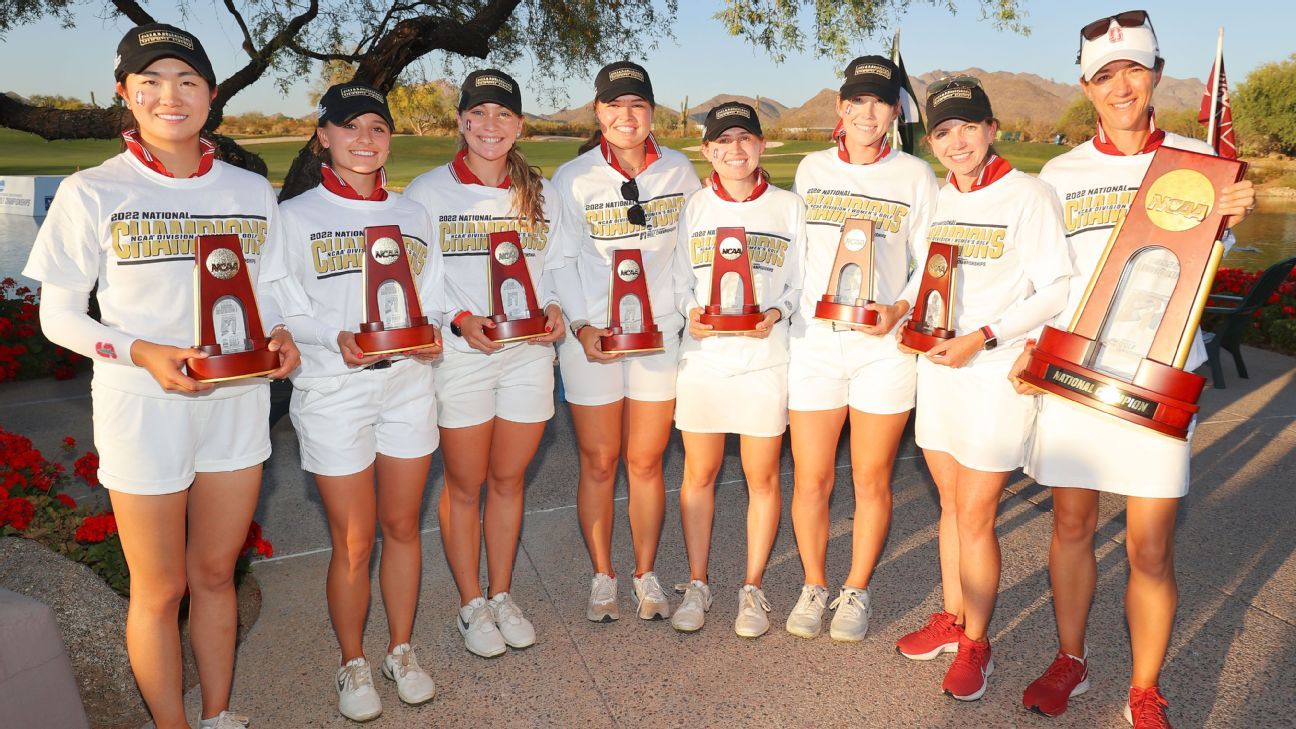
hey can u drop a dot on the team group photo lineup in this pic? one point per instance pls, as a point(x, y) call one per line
point(1000, 319)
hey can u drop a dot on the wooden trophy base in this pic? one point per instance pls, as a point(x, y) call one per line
point(618, 343)
point(217, 367)
point(373, 339)
point(516, 330)
point(1159, 397)
point(742, 323)
point(914, 341)
point(830, 310)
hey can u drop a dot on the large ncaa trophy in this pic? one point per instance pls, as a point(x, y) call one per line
point(514, 308)
point(1129, 340)
point(850, 286)
point(630, 316)
point(733, 308)
point(392, 318)
point(227, 324)
point(932, 320)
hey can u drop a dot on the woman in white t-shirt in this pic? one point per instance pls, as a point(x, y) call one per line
point(623, 191)
point(493, 398)
point(734, 383)
point(365, 422)
point(181, 459)
point(1011, 274)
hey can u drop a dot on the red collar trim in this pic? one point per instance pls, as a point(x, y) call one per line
point(993, 171)
point(205, 160)
point(1155, 139)
point(839, 136)
point(464, 175)
point(652, 153)
point(762, 184)
point(334, 183)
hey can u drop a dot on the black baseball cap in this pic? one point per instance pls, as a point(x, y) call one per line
point(728, 115)
point(620, 78)
point(490, 86)
point(344, 102)
point(144, 44)
point(960, 97)
point(874, 75)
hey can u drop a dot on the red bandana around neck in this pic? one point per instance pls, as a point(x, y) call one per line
point(338, 186)
point(1156, 137)
point(206, 158)
point(762, 184)
point(993, 171)
point(464, 175)
point(652, 153)
point(839, 136)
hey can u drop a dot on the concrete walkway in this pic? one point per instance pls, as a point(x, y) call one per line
point(1232, 661)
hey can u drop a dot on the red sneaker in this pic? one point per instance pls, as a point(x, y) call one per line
point(1147, 709)
point(939, 635)
point(1068, 676)
point(966, 679)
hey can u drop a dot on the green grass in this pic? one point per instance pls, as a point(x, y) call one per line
point(27, 154)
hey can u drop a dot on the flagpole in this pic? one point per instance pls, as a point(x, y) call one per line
point(895, 58)
point(1211, 129)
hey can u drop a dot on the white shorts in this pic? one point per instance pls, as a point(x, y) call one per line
point(515, 384)
point(343, 422)
point(152, 446)
point(830, 369)
point(973, 413)
point(1080, 447)
point(648, 376)
point(714, 401)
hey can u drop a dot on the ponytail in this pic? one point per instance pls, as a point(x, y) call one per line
point(528, 188)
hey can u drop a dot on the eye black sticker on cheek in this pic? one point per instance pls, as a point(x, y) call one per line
point(139, 98)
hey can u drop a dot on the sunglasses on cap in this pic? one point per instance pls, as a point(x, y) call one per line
point(630, 193)
point(1127, 19)
point(953, 82)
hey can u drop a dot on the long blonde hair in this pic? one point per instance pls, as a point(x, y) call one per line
point(528, 187)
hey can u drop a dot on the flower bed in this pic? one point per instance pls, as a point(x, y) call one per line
point(32, 506)
point(24, 351)
point(1274, 327)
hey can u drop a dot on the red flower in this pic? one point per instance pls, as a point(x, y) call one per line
point(1289, 310)
point(66, 501)
point(1273, 299)
point(16, 512)
point(95, 529)
point(87, 467)
point(69, 442)
point(255, 544)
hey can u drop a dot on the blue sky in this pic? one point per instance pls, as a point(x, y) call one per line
point(704, 60)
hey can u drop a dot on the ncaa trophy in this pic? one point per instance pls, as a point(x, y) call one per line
point(733, 308)
point(392, 318)
point(227, 323)
point(514, 308)
point(850, 285)
point(630, 318)
point(932, 320)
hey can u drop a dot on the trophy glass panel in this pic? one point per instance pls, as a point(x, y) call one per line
point(849, 284)
point(513, 297)
point(230, 324)
point(392, 308)
point(631, 313)
point(1136, 311)
point(934, 312)
point(731, 293)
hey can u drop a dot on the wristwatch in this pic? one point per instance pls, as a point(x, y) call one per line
point(991, 341)
point(454, 324)
point(577, 326)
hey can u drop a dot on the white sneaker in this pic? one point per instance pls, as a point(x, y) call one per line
point(413, 684)
point(603, 599)
point(477, 626)
point(224, 720)
point(806, 618)
point(691, 613)
point(357, 699)
point(850, 624)
point(650, 597)
point(752, 622)
point(518, 632)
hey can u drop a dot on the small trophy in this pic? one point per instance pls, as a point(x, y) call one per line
point(850, 287)
point(1130, 337)
point(392, 318)
point(932, 320)
point(227, 324)
point(514, 308)
point(630, 316)
point(733, 308)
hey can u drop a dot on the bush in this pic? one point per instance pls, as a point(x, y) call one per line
point(1274, 325)
point(25, 353)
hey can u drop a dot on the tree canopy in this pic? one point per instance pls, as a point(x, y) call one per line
point(1264, 108)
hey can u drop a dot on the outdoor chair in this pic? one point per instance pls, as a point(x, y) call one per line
point(1238, 313)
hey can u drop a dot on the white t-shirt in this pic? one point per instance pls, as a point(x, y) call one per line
point(775, 227)
point(463, 217)
point(131, 230)
point(897, 192)
point(590, 189)
point(324, 250)
point(1096, 190)
point(1011, 244)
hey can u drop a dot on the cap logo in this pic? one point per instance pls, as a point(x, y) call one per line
point(321, 110)
point(956, 92)
point(117, 62)
point(1115, 34)
point(733, 111)
point(362, 91)
point(621, 73)
point(873, 68)
point(165, 36)
point(493, 81)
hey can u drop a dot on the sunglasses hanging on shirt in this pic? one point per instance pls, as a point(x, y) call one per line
point(630, 193)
